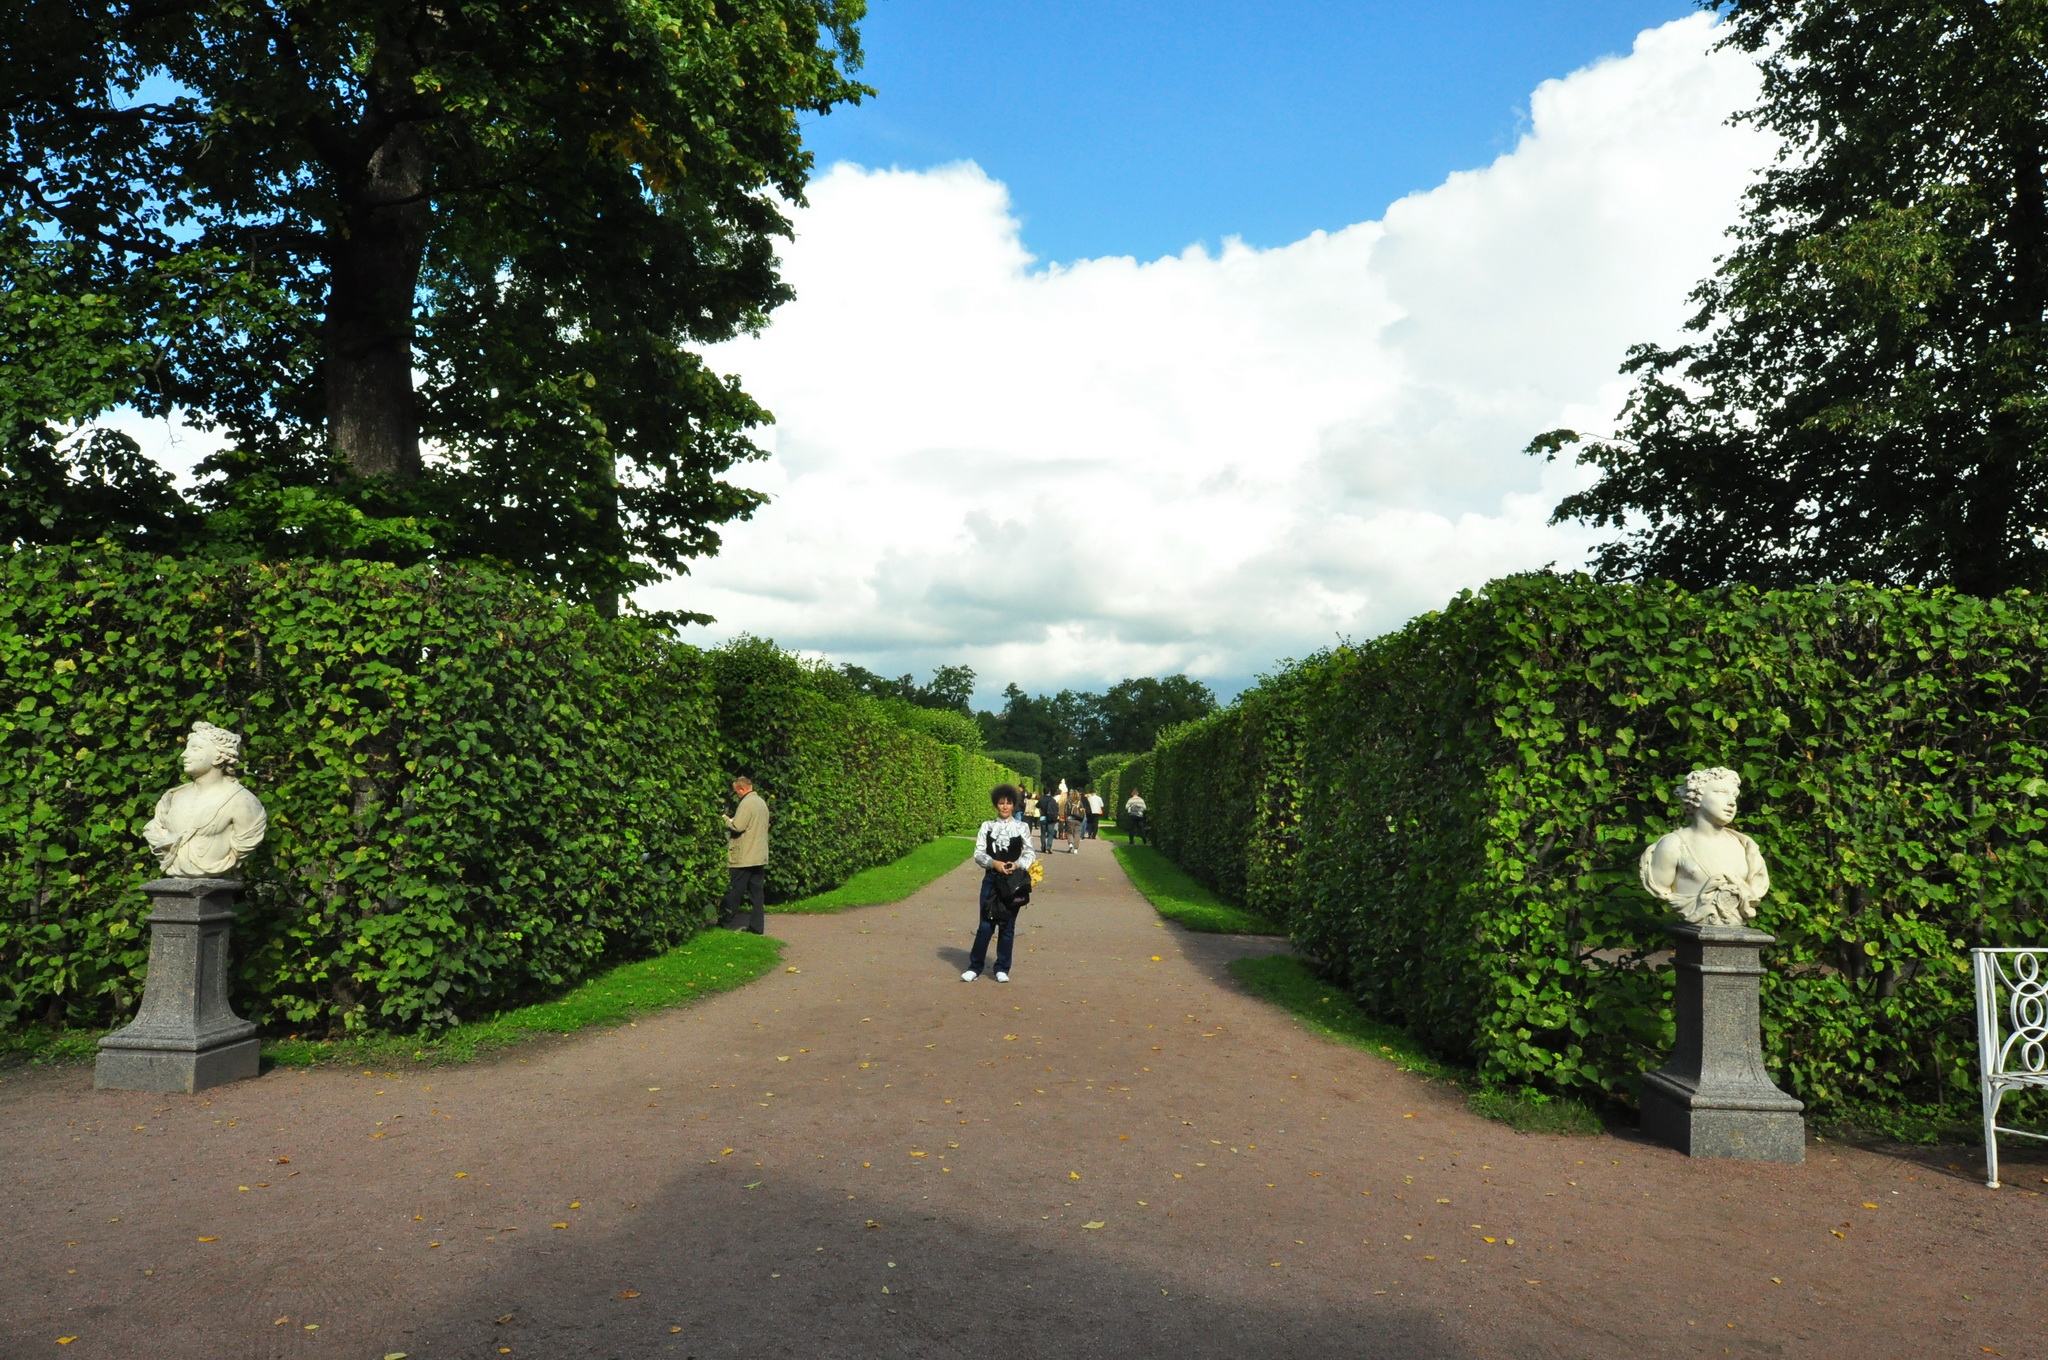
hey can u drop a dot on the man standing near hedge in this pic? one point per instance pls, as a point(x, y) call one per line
point(746, 857)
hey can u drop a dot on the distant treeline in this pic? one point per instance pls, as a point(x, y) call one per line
point(1065, 731)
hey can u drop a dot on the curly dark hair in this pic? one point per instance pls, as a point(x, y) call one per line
point(1009, 791)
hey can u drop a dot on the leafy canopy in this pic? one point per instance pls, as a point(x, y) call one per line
point(344, 232)
point(1866, 395)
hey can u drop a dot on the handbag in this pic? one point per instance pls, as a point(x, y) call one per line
point(1006, 894)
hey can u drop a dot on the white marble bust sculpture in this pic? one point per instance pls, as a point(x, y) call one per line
point(206, 828)
point(1709, 873)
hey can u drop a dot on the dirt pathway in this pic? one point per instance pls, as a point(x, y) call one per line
point(1118, 1154)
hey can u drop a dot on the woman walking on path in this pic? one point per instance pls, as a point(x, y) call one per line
point(1003, 850)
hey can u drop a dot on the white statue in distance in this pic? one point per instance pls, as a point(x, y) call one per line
point(206, 828)
point(1709, 873)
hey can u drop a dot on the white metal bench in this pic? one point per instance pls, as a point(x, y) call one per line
point(2012, 1035)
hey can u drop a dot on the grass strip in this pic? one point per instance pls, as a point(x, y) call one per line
point(891, 882)
point(1182, 900)
point(1291, 984)
point(705, 965)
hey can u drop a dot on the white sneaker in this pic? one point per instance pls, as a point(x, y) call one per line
point(1002, 977)
point(969, 976)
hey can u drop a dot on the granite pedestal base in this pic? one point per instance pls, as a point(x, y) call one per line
point(184, 1036)
point(1713, 1098)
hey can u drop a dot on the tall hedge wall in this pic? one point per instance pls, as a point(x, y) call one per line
point(1451, 815)
point(476, 794)
point(473, 791)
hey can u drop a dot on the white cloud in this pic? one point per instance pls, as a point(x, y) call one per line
point(1210, 462)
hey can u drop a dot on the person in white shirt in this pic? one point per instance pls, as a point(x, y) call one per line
point(1134, 818)
point(1094, 813)
point(1003, 850)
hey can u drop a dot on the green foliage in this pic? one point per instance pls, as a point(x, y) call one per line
point(330, 231)
point(1863, 395)
point(1475, 789)
point(940, 724)
point(1025, 763)
point(891, 882)
point(1100, 767)
point(475, 794)
point(713, 962)
point(1182, 900)
point(1227, 805)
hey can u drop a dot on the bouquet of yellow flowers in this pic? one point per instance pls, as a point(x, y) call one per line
point(1037, 873)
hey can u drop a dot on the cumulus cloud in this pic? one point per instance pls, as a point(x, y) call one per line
point(1066, 474)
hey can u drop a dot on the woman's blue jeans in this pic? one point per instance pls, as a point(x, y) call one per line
point(1006, 943)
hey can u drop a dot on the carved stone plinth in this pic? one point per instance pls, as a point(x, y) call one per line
point(183, 1037)
point(1713, 1098)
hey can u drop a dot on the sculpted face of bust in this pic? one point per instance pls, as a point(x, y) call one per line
point(1716, 803)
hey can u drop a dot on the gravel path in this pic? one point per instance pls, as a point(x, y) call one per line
point(1118, 1154)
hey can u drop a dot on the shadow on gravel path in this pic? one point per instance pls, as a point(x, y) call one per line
point(1259, 1192)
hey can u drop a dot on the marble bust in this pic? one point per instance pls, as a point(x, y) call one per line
point(206, 828)
point(1708, 872)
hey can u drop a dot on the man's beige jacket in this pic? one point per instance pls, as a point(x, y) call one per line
point(750, 820)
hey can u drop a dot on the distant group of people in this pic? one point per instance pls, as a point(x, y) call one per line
point(1061, 814)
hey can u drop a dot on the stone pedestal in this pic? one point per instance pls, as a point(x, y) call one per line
point(183, 1037)
point(1713, 1098)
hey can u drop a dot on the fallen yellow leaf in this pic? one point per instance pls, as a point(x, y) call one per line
point(1839, 1233)
point(1073, 1175)
point(66, 1340)
point(1009, 1036)
point(792, 970)
point(575, 1204)
point(1868, 1205)
point(726, 1153)
point(782, 1060)
point(433, 1244)
point(917, 1154)
point(209, 1239)
point(1095, 1225)
point(460, 1174)
point(629, 1293)
point(1157, 959)
point(558, 1225)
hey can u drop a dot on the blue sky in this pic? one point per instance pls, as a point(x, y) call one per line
point(1137, 127)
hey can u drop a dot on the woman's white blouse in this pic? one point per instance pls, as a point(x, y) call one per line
point(1008, 829)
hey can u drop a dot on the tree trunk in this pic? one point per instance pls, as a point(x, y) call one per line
point(374, 271)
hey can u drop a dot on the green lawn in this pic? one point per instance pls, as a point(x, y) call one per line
point(1182, 900)
point(891, 882)
point(705, 965)
point(1289, 983)
point(713, 962)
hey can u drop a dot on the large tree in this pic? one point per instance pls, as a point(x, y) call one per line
point(1865, 395)
point(435, 269)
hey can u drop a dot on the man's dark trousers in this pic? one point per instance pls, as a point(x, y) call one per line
point(751, 881)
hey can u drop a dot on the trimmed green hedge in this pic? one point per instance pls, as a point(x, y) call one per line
point(474, 793)
point(1025, 763)
point(477, 795)
point(1450, 818)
